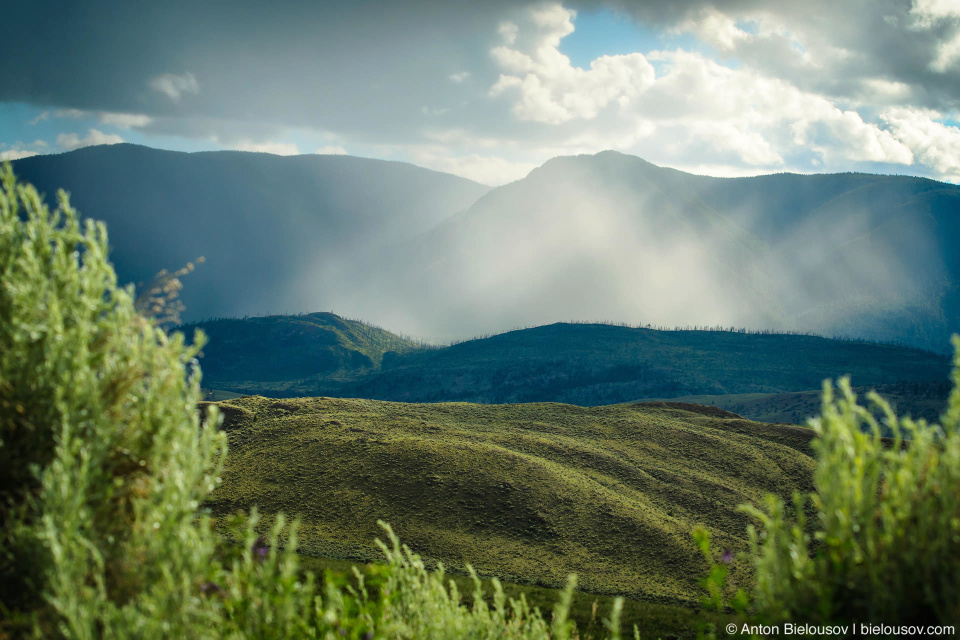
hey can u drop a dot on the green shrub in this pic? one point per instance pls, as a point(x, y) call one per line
point(105, 462)
point(879, 538)
point(104, 459)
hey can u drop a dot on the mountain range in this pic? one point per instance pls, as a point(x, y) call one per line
point(273, 230)
point(772, 377)
point(585, 238)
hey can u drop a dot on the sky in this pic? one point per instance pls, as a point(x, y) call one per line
point(490, 90)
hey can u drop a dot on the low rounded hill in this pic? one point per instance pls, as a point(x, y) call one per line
point(529, 493)
point(275, 348)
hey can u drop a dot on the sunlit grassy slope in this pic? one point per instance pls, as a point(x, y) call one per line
point(529, 492)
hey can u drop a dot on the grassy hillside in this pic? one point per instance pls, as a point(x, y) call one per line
point(584, 364)
point(528, 493)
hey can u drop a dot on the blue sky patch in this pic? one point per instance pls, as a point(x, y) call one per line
point(600, 33)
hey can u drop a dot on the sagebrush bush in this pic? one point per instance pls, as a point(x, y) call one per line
point(105, 463)
point(104, 459)
point(879, 538)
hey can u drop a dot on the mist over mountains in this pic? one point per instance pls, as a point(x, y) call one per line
point(278, 233)
point(600, 237)
point(613, 237)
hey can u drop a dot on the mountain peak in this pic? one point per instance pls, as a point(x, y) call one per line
point(608, 164)
point(606, 156)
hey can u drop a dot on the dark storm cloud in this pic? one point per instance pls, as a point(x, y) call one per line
point(101, 54)
point(368, 64)
point(419, 79)
point(358, 66)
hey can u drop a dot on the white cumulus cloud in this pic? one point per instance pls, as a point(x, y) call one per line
point(175, 85)
point(935, 144)
point(74, 114)
point(276, 148)
point(16, 154)
point(844, 134)
point(109, 118)
point(485, 169)
point(20, 149)
point(928, 14)
point(715, 28)
point(547, 87)
point(70, 141)
point(693, 111)
point(124, 120)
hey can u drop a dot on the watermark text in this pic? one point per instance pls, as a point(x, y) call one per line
point(839, 630)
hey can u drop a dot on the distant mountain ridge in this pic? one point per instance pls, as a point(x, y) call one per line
point(610, 236)
point(595, 237)
point(926, 400)
point(582, 364)
point(580, 238)
point(278, 232)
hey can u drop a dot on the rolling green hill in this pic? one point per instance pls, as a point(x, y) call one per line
point(583, 364)
point(526, 492)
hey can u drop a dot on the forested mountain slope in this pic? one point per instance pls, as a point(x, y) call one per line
point(584, 364)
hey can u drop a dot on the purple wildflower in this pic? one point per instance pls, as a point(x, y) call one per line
point(727, 556)
point(260, 549)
